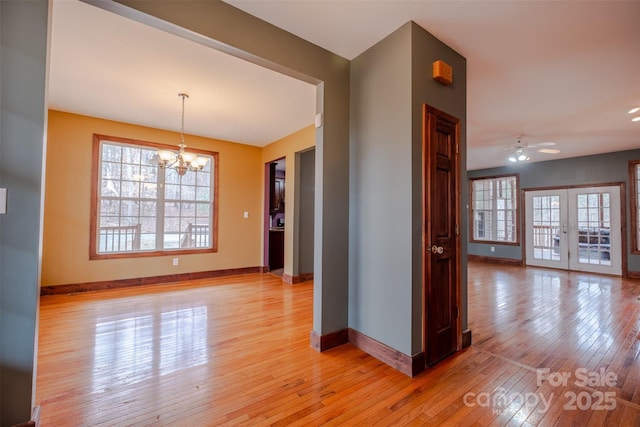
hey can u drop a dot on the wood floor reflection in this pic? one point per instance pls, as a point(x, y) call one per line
point(235, 351)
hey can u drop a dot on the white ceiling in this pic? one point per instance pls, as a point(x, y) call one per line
point(559, 71)
point(107, 66)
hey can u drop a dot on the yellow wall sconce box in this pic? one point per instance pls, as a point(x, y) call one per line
point(443, 73)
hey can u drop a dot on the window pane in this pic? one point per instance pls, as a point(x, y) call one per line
point(110, 187)
point(171, 191)
point(171, 240)
point(130, 208)
point(109, 208)
point(148, 209)
point(148, 224)
point(202, 194)
point(203, 179)
point(111, 170)
point(130, 154)
point(171, 224)
point(147, 241)
point(111, 153)
point(203, 211)
point(188, 210)
point(186, 192)
point(149, 191)
point(130, 189)
point(188, 179)
point(172, 177)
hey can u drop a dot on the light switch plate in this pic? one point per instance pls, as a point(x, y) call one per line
point(3, 201)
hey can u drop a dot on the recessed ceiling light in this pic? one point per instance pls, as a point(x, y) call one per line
point(634, 110)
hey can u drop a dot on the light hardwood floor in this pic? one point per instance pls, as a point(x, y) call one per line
point(235, 351)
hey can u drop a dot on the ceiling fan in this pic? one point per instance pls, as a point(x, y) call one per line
point(520, 149)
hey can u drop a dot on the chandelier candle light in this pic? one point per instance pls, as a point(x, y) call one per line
point(182, 161)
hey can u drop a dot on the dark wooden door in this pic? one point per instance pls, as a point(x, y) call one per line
point(440, 240)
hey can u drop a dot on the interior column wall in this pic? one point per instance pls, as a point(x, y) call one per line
point(24, 27)
point(390, 83)
point(426, 49)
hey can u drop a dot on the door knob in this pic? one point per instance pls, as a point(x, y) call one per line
point(436, 249)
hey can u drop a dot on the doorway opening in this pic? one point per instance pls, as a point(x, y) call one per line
point(275, 215)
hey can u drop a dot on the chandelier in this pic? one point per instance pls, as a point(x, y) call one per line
point(182, 161)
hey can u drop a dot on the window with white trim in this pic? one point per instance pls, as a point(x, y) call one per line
point(144, 210)
point(495, 209)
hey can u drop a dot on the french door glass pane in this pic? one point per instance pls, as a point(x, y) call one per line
point(546, 227)
point(594, 228)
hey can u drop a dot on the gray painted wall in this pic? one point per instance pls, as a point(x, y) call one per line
point(380, 226)
point(598, 169)
point(23, 69)
point(390, 82)
point(306, 200)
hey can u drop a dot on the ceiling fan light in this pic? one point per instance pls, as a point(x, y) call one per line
point(636, 119)
point(513, 159)
point(634, 110)
point(522, 158)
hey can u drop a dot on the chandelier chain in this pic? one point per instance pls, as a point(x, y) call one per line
point(183, 96)
point(182, 161)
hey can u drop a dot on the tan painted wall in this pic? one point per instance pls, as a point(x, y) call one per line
point(65, 258)
point(287, 147)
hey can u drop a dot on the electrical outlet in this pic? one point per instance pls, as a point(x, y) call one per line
point(493, 248)
point(246, 214)
point(176, 261)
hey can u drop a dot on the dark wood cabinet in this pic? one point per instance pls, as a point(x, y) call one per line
point(276, 249)
point(278, 195)
point(276, 190)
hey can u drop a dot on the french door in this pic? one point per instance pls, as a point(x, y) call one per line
point(574, 229)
